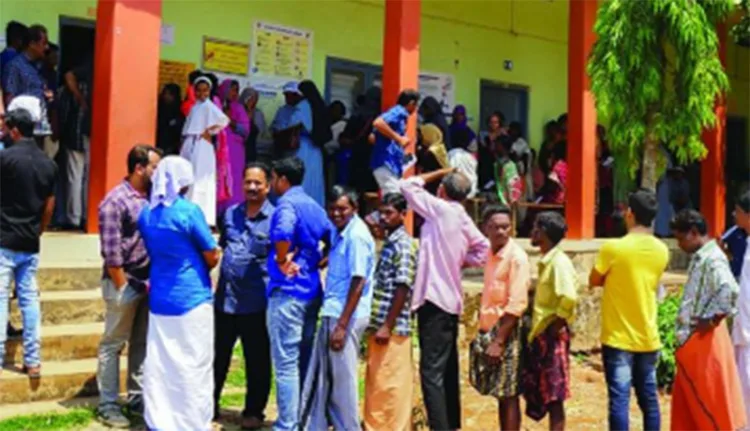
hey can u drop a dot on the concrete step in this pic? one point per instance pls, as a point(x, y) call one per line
point(66, 307)
point(67, 279)
point(66, 379)
point(60, 343)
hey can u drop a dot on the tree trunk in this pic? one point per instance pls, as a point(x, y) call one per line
point(649, 171)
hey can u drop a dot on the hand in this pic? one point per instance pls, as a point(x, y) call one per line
point(494, 352)
point(287, 266)
point(383, 335)
point(404, 141)
point(206, 135)
point(371, 139)
point(555, 327)
point(49, 95)
point(707, 325)
point(338, 338)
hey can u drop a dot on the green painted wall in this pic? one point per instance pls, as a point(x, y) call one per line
point(469, 39)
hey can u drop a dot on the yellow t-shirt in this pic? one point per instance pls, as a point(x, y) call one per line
point(633, 266)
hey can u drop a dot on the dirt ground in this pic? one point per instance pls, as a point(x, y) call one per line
point(586, 410)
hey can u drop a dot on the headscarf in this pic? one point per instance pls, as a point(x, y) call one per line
point(459, 127)
point(432, 139)
point(247, 94)
point(372, 103)
point(172, 175)
point(321, 130)
point(435, 115)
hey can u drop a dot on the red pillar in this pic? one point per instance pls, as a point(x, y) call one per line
point(401, 59)
point(713, 186)
point(580, 193)
point(126, 75)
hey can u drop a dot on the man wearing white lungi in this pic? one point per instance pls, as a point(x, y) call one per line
point(205, 120)
point(330, 392)
point(741, 330)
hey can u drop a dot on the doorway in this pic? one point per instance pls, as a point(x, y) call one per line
point(76, 43)
point(737, 162)
point(511, 100)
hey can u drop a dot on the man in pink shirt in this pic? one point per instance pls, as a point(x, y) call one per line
point(449, 242)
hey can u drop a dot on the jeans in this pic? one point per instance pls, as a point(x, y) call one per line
point(438, 366)
point(251, 330)
point(125, 322)
point(21, 267)
point(291, 328)
point(625, 369)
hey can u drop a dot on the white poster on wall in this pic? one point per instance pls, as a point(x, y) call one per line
point(441, 86)
point(167, 34)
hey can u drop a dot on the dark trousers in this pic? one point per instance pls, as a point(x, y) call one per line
point(251, 330)
point(438, 367)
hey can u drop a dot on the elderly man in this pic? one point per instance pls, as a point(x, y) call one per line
point(27, 200)
point(449, 242)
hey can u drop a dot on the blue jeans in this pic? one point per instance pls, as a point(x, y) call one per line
point(625, 369)
point(291, 328)
point(21, 267)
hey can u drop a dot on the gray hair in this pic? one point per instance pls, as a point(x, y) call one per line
point(457, 186)
point(247, 94)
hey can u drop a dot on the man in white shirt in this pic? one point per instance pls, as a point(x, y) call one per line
point(741, 330)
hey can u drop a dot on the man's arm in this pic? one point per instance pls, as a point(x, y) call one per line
point(724, 289)
point(602, 264)
point(110, 238)
point(566, 291)
point(422, 202)
point(479, 246)
point(384, 129)
point(71, 83)
point(283, 224)
point(48, 211)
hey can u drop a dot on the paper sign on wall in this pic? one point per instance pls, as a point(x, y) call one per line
point(174, 72)
point(167, 34)
point(225, 57)
point(281, 52)
point(441, 86)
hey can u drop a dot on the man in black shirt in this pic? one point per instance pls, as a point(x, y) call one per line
point(27, 184)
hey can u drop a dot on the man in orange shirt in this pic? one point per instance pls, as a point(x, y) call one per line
point(496, 356)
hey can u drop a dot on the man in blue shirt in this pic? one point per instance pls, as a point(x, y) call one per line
point(734, 241)
point(240, 301)
point(15, 33)
point(390, 140)
point(298, 227)
point(331, 389)
point(21, 75)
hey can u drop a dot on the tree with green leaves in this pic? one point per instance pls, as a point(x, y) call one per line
point(656, 75)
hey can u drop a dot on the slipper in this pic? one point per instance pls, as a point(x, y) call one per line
point(34, 372)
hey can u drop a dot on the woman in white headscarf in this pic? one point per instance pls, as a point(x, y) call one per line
point(178, 370)
point(204, 121)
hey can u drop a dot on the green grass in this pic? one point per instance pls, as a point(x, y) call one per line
point(71, 420)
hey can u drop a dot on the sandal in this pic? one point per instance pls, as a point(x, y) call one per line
point(33, 372)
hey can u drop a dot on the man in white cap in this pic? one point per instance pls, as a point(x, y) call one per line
point(27, 186)
point(285, 129)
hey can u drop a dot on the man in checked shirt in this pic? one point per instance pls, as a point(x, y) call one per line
point(126, 269)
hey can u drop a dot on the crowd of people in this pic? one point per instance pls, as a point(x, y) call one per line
point(281, 224)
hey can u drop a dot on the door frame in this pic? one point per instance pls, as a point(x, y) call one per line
point(72, 21)
point(369, 71)
point(491, 83)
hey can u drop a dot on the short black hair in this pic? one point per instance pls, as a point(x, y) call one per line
point(396, 200)
point(500, 116)
point(52, 47)
point(339, 191)
point(192, 76)
point(138, 156)
point(560, 150)
point(493, 209)
point(15, 32)
point(291, 168)
point(259, 165)
point(562, 119)
point(408, 96)
point(460, 138)
point(553, 225)
point(457, 186)
point(744, 201)
point(36, 33)
point(516, 126)
point(643, 205)
point(21, 120)
point(340, 105)
point(688, 219)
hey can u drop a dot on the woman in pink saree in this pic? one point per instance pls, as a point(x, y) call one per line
point(233, 161)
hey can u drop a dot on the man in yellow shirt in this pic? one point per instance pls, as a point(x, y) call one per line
point(546, 377)
point(630, 269)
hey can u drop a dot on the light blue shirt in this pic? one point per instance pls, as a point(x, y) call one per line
point(175, 238)
point(292, 115)
point(352, 255)
point(301, 221)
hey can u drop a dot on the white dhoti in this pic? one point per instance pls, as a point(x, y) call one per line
point(742, 356)
point(202, 156)
point(178, 378)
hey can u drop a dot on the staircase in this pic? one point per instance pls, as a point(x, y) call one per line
point(72, 313)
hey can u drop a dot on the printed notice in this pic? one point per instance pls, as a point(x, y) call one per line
point(225, 57)
point(281, 52)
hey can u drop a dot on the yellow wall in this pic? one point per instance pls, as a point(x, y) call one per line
point(469, 39)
